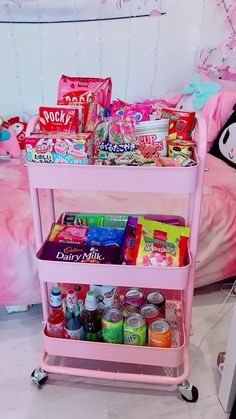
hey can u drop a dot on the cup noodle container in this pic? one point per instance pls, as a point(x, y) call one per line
point(154, 133)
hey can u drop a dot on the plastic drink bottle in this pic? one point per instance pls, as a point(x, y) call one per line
point(73, 321)
point(56, 319)
point(92, 318)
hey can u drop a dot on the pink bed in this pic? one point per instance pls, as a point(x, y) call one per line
point(19, 282)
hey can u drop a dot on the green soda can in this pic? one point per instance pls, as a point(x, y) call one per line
point(112, 326)
point(135, 330)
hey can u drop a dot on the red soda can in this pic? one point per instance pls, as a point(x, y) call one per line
point(134, 297)
point(150, 312)
point(158, 299)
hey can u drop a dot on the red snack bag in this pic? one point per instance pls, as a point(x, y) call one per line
point(81, 89)
point(181, 123)
point(55, 119)
point(83, 109)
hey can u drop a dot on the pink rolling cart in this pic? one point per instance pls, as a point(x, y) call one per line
point(168, 366)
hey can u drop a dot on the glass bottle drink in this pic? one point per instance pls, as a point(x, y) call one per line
point(92, 318)
point(56, 319)
point(73, 322)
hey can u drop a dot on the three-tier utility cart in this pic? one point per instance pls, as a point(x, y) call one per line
point(168, 366)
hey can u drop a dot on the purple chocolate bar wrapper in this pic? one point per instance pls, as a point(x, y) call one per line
point(75, 252)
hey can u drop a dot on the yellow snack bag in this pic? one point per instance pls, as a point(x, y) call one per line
point(160, 244)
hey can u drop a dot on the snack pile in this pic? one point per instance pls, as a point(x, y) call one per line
point(85, 128)
point(149, 240)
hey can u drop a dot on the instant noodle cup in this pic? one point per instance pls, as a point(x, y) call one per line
point(152, 138)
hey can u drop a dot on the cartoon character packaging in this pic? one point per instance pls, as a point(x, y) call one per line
point(60, 148)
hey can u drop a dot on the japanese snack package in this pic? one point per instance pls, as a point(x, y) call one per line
point(180, 146)
point(117, 109)
point(60, 148)
point(159, 244)
point(137, 113)
point(115, 144)
point(181, 123)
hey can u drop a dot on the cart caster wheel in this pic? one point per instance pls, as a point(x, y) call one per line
point(188, 392)
point(39, 377)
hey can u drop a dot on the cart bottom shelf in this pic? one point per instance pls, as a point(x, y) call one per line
point(129, 354)
point(116, 371)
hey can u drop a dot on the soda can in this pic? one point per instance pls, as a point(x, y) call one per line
point(158, 299)
point(127, 310)
point(134, 297)
point(160, 334)
point(112, 326)
point(135, 330)
point(150, 312)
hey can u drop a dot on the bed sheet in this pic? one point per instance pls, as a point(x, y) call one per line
point(19, 282)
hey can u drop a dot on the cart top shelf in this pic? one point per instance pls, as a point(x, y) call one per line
point(176, 180)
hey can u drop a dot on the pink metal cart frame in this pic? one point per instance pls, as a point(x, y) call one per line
point(127, 179)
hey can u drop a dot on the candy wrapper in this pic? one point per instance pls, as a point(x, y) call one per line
point(159, 244)
point(101, 236)
point(72, 234)
point(115, 144)
point(129, 241)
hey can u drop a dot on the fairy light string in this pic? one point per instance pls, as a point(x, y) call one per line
point(77, 38)
point(156, 52)
point(41, 77)
point(16, 58)
point(128, 53)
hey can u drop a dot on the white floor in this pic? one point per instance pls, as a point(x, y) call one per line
point(66, 397)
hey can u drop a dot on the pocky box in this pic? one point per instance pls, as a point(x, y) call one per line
point(58, 119)
point(181, 123)
point(59, 148)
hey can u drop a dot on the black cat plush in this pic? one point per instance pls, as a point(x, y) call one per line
point(224, 146)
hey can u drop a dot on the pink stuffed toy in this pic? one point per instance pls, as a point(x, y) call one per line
point(9, 145)
point(216, 110)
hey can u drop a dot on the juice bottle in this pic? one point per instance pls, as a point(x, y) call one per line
point(73, 321)
point(92, 318)
point(56, 319)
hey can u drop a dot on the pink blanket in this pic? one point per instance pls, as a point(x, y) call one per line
point(19, 282)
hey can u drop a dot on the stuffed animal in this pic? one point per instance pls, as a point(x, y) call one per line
point(9, 145)
point(224, 146)
point(19, 127)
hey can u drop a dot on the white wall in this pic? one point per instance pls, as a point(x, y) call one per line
point(144, 56)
